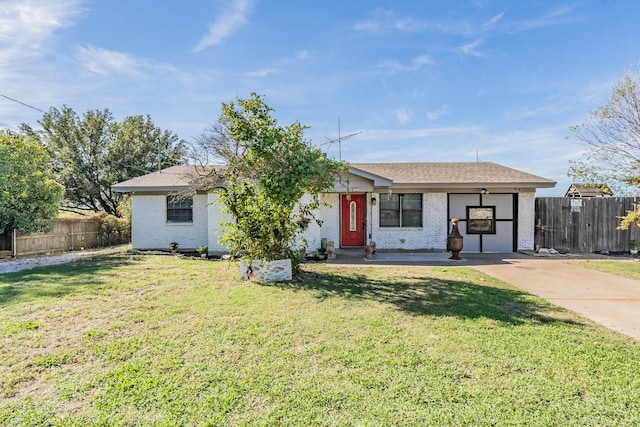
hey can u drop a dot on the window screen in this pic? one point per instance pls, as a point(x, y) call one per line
point(401, 210)
point(179, 209)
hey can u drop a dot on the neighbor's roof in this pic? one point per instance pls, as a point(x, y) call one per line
point(454, 174)
point(174, 178)
point(588, 190)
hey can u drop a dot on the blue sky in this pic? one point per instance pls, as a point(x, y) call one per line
point(415, 80)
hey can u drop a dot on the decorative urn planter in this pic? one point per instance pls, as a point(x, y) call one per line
point(454, 241)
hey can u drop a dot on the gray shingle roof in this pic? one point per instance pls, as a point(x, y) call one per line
point(485, 173)
point(178, 178)
point(174, 178)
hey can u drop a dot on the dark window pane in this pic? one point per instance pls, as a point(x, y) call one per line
point(392, 202)
point(412, 201)
point(389, 218)
point(179, 209)
point(411, 218)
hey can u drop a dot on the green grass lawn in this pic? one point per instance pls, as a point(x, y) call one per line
point(625, 268)
point(163, 341)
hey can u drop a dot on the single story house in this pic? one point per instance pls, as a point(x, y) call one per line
point(400, 206)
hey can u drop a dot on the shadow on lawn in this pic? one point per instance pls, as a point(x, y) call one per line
point(425, 295)
point(60, 280)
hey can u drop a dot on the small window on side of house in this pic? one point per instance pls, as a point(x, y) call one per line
point(179, 209)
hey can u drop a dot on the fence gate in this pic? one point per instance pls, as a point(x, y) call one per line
point(584, 225)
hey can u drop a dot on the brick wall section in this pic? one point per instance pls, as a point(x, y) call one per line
point(431, 236)
point(436, 222)
point(330, 217)
point(150, 229)
point(526, 221)
point(214, 229)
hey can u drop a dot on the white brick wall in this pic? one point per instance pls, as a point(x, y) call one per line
point(431, 236)
point(150, 229)
point(526, 221)
point(214, 230)
point(314, 234)
point(330, 217)
point(435, 221)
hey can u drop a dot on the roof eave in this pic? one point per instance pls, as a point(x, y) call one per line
point(550, 184)
point(378, 181)
point(157, 189)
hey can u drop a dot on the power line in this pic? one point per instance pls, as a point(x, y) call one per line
point(22, 103)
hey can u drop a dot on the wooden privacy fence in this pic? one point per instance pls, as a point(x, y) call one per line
point(71, 234)
point(584, 225)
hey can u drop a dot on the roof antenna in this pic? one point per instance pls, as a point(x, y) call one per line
point(476, 155)
point(339, 140)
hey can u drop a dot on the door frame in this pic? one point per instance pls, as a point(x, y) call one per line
point(362, 209)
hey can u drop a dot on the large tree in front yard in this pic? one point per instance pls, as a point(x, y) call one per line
point(93, 152)
point(266, 170)
point(29, 196)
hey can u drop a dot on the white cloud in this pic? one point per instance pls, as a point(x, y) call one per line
point(384, 20)
point(540, 110)
point(403, 116)
point(558, 16)
point(108, 63)
point(379, 21)
point(386, 135)
point(470, 48)
point(29, 54)
point(261, 73)
point(26, 26)
point(435, 115)
point(227, 23)
point(415, 64)
point(421, 60)
point(491, 22)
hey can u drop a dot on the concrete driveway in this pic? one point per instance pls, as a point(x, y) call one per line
point(610, 300)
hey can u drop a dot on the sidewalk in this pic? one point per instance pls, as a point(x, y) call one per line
point(610, 300)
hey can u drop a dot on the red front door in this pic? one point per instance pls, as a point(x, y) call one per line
point(353, 221)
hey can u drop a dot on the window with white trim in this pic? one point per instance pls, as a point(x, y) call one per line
point(179, 209)
point(401, 210)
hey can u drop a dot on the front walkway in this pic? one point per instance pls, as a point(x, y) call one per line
point(610, 300)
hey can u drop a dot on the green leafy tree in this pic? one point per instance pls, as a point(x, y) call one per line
point(93, 152)
point(29, 196)
point(612, 136)
point(270, 179)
